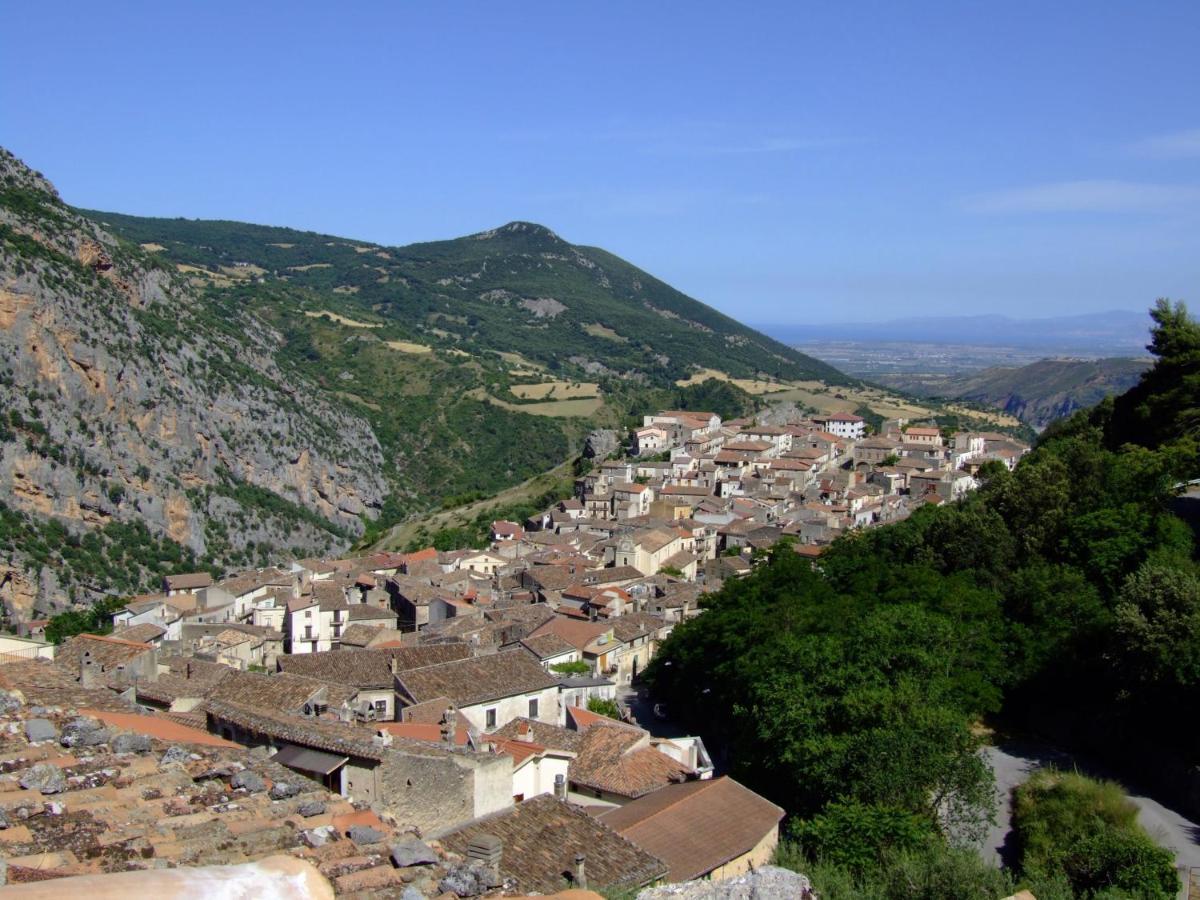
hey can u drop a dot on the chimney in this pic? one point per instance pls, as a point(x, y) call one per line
point(524, 732)
point(449, 726)
point(487, 849)
point(580, 872)
point(89, 671)
point(560, 786)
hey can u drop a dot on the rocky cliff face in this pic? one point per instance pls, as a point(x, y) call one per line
point(123, 398)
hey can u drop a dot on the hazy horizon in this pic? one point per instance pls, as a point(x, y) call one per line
point(782, 164)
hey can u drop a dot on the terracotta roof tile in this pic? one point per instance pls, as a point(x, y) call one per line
point(696, 827)
point(371, 667)
point(470, 681)
point(618, 759)
point(541, 838)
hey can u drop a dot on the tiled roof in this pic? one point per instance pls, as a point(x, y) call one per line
point(127, 812)
point(554, 737)
point(618, 759)
point(334, 737)
point(45, 684)
point(105, 650)
point(578, 634)
point(541, 838)
point(633, 625)
point(544, 646)
point(140, 634)
point(361, 633)
point(369, 668)
point(477, 680)
point(283, 692)
point(698, 826)
point(188, 582)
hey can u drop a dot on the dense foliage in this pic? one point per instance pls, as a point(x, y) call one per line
point(1063, 596)
point(1084, 832)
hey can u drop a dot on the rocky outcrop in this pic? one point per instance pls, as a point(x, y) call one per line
point(601, 442)
point(124, 397)
point(767, 883)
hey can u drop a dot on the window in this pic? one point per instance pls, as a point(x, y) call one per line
point(533, 708)
point(308, 632)
point(380, 707)
point(491, 718)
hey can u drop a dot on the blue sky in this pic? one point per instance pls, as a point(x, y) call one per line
point(784, 162)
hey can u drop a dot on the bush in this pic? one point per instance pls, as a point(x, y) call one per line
point(604, 707)
point(574, 667)
point(1086, 831)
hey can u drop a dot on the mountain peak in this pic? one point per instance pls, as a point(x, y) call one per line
point(529, 230)
point(14, 173)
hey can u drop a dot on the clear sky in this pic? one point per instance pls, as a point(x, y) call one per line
point(784, 162)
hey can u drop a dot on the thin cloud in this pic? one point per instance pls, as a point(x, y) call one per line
point(774, 145)
point(1100, 196)
point(1178, 145)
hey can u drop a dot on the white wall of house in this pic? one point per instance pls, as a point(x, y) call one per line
point(517, 706)
point(536, 775)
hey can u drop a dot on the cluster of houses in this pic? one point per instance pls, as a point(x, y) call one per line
point(447, 693)
point(469, 694)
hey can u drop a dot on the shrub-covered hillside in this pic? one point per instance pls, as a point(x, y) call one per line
point(1063, 598)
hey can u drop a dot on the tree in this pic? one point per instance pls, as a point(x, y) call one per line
point(1157, 626)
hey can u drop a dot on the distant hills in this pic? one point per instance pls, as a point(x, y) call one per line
point(1038, 393)
point(1112, 333)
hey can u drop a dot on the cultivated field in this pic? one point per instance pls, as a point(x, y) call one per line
point(349, 323)
point(557, 408)
point(561, 390)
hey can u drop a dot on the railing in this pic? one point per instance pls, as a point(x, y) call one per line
point(10, 656)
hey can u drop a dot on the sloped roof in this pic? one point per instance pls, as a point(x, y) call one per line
point(543, 835)
point(282, 692)
point(105, 650)
point(554, 737)
point(477, 680)
point(544, 646)
point(140, 634)
point(369, 668)
point(698, 826)
point(618, 759)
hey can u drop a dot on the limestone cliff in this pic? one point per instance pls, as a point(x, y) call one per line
point(124, 398)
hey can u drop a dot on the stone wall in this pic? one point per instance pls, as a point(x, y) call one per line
point(437, 792)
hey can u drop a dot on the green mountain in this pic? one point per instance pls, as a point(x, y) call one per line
point(179, 394)
point(1038, 393)
point(515, 289)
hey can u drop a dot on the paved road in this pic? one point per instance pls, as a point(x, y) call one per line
point(1014, 761)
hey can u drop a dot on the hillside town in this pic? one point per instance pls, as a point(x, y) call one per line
point(466, 722)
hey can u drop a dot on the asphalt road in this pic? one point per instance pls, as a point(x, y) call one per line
point(1014, 761)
